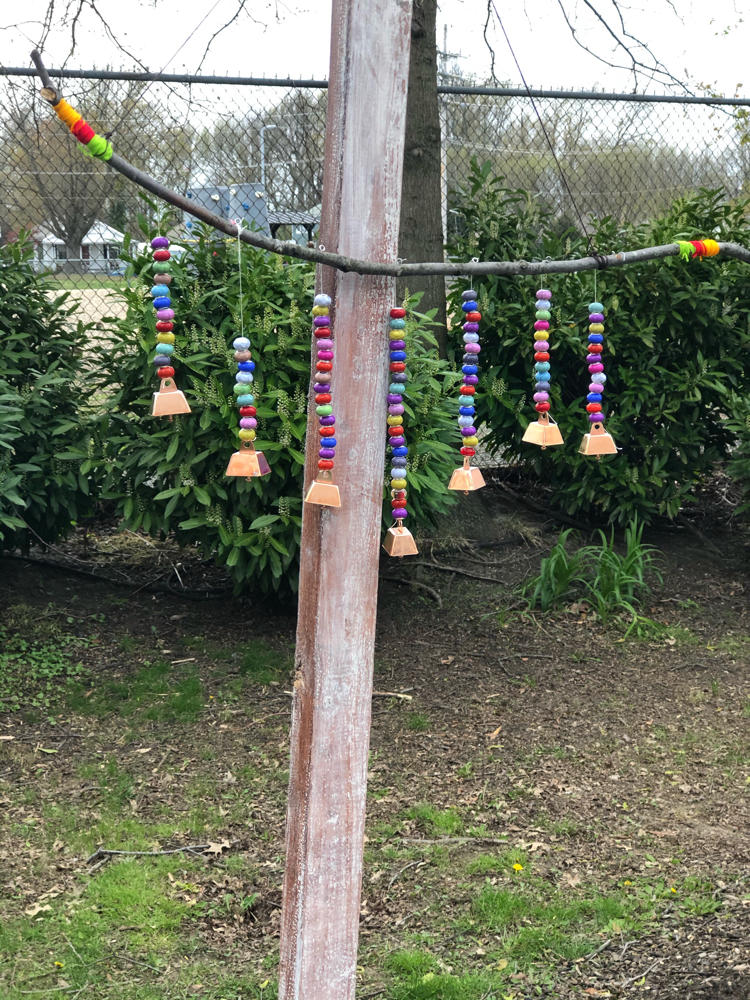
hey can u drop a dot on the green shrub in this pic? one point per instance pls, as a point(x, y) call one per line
point(676, 348)
point(46, 480)
point(169, 477)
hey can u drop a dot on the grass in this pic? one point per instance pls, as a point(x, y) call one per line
point(156, 691)
point(418, 722)
point(437, 822)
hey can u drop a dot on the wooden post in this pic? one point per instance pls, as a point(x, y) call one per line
point(340, 547)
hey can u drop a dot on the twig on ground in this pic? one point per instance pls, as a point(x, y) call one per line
point(103, 852)
point(133, 961)
point(404, 869)
point(414, 583)
point(601, 948)
point(625, 948)
point(455, 569)
point(632, 979)
point(72, 948)
point(453, 840)
point(392, 694)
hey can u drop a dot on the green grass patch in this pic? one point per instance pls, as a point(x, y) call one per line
point(418, 722)
point(156, 691)
point(437, 822)
point(262, 664)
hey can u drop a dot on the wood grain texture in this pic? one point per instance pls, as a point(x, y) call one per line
point(339, 555)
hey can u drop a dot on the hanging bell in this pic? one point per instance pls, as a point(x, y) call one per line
point(467, 478)
point(248, 462)
point(169, 400)
point(399, 541)
point(543, 432)
point(598, 442)
point(324, 491)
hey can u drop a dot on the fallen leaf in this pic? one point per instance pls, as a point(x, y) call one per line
point(448, 659)
point(196, 988)
point(572, 879)
point(217, 848)
point(480, 951)
point(491, 736)
point(58, 845)
point(45, 750)
point(36, 908)
point(502, 964)
point(144, 750)
point(375, 876)
point(229, 779)
point(7, 737)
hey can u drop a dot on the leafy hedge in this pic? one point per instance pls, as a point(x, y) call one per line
point(677, 349)
point(45, 426)
point(169, 477)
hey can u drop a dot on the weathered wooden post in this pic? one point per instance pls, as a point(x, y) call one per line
point(339, 564)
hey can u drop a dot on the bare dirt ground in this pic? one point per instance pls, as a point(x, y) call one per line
point(554, 809)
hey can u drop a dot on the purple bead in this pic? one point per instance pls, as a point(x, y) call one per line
point(325, 355)
point(472, 348)
point(399, 513)
point(327, 421)
point(596, 368)
point(593, 358)
point(596, 317)
point(165, 314)
point(543, 293)
point(248, 423)
point(471, 328)
point(159, 243)
point(397, 345)
point(394, 397)
point(325, 345)
point(397, 442)
point(541, 345)
point(595, 387)
point(322, 321)
point(327, 453)
point(395, 409)
point(321, 387)
point(471, 380)
point(596, 418)
point(541, 397)
point(468, 432)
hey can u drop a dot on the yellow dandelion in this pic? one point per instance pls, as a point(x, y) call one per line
point(627, 883)
point(59, 964)
point(673, 889)
point(517, 867)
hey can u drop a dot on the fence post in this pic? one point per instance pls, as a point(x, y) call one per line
point(340, 547)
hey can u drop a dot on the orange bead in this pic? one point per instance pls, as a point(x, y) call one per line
point(541, 356)
point(323, 397)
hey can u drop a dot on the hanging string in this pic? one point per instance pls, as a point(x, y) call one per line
point(238, 223)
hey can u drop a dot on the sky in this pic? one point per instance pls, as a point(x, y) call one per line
point(703, 43)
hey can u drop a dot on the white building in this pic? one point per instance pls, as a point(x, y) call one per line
point(98, 252)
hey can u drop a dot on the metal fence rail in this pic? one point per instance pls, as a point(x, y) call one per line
point(254, 147)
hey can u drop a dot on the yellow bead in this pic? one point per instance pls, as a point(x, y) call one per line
point(395, 421)
point(165, 338)
point(471, 442)
point(541, 334)
point(320, 310)
point(596, 328)
point(398, 484)
point(247, 435)
point(396, 334)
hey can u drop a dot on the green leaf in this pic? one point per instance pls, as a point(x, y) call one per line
point(263, 521)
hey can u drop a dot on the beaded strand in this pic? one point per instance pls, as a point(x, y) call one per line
point(466, 409)
point(162, 302)
point(594, 359)
point(323, 370)
point(396, 437)
point(541, 350)
point(243, 380)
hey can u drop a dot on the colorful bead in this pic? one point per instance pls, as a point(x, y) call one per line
point(159, 243)
point(321, 328)
point(595, 366)
point(322, 300)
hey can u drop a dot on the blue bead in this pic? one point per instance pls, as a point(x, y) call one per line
point(160, 290)
point(469, 369)
point(401, 450)
point(397, 388)
point(161, 359)
point(246, 366)
point(542, 386)
point(541, 366)
point(596, 338)
point(247, 400)
point(329, 442)
point(542, 376)
point(466, 411)
point(596, 307)
point(166, 348)
point(244, 378)
point(594, 397)
point(162, 302)
point(398, 324)
point(399, 461)
point(398, 355)
point(469, 307)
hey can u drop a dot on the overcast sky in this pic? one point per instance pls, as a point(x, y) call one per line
point(708, 41)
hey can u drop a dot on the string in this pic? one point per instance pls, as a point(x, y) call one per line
point(238, 223)
point(544, 130)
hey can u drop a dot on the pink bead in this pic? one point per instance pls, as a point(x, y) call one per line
point(325, 345)
point(472, 348)
point(541, 397)
point(596, 387)
point(541, 324)
point(325, 355)
point(596, 368)
point(544, 293)
point(248, 423)
point(395, 409)
point(541, 345)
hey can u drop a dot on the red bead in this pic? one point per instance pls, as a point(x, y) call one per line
point(541, 356)
point(247, 411)
point(326, 432)
point(395, 432)
point(473, 317)
point(162, 255)
point(325, 463)
point(397, 366)
point(324, 366)
point(593, 407)
point(323, 397)
point(468, 451)
point(322, 331)
point(541, 407)
point(467, 390)
point(164, 326)
point(166, 372)
point(398, 313)
point(595, 348)
point(398, 502)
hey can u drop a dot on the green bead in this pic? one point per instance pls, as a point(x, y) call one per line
point(324, 411)
point(239, 390)
point(161, 266)
point(543, 314)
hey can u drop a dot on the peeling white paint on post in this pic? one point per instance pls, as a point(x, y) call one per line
point(340, 547)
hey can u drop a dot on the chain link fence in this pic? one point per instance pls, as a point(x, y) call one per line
point(254, 149)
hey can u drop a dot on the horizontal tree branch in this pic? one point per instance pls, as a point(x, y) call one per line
point(507, 268)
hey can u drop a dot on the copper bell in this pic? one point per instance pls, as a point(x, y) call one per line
point(399, 541)
point(543, 433)
point(598, 442)
point(324, 491)
point(169, 400)
point(467, 478)
point(248, 462)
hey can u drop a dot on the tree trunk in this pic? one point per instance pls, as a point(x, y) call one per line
point(421, 230)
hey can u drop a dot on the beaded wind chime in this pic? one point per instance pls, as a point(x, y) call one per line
point(169, 400)
point(597, 442)
point(543, 431)
point(323, 490)
point(468, 477)
point(247, 461)
point(399, 541)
